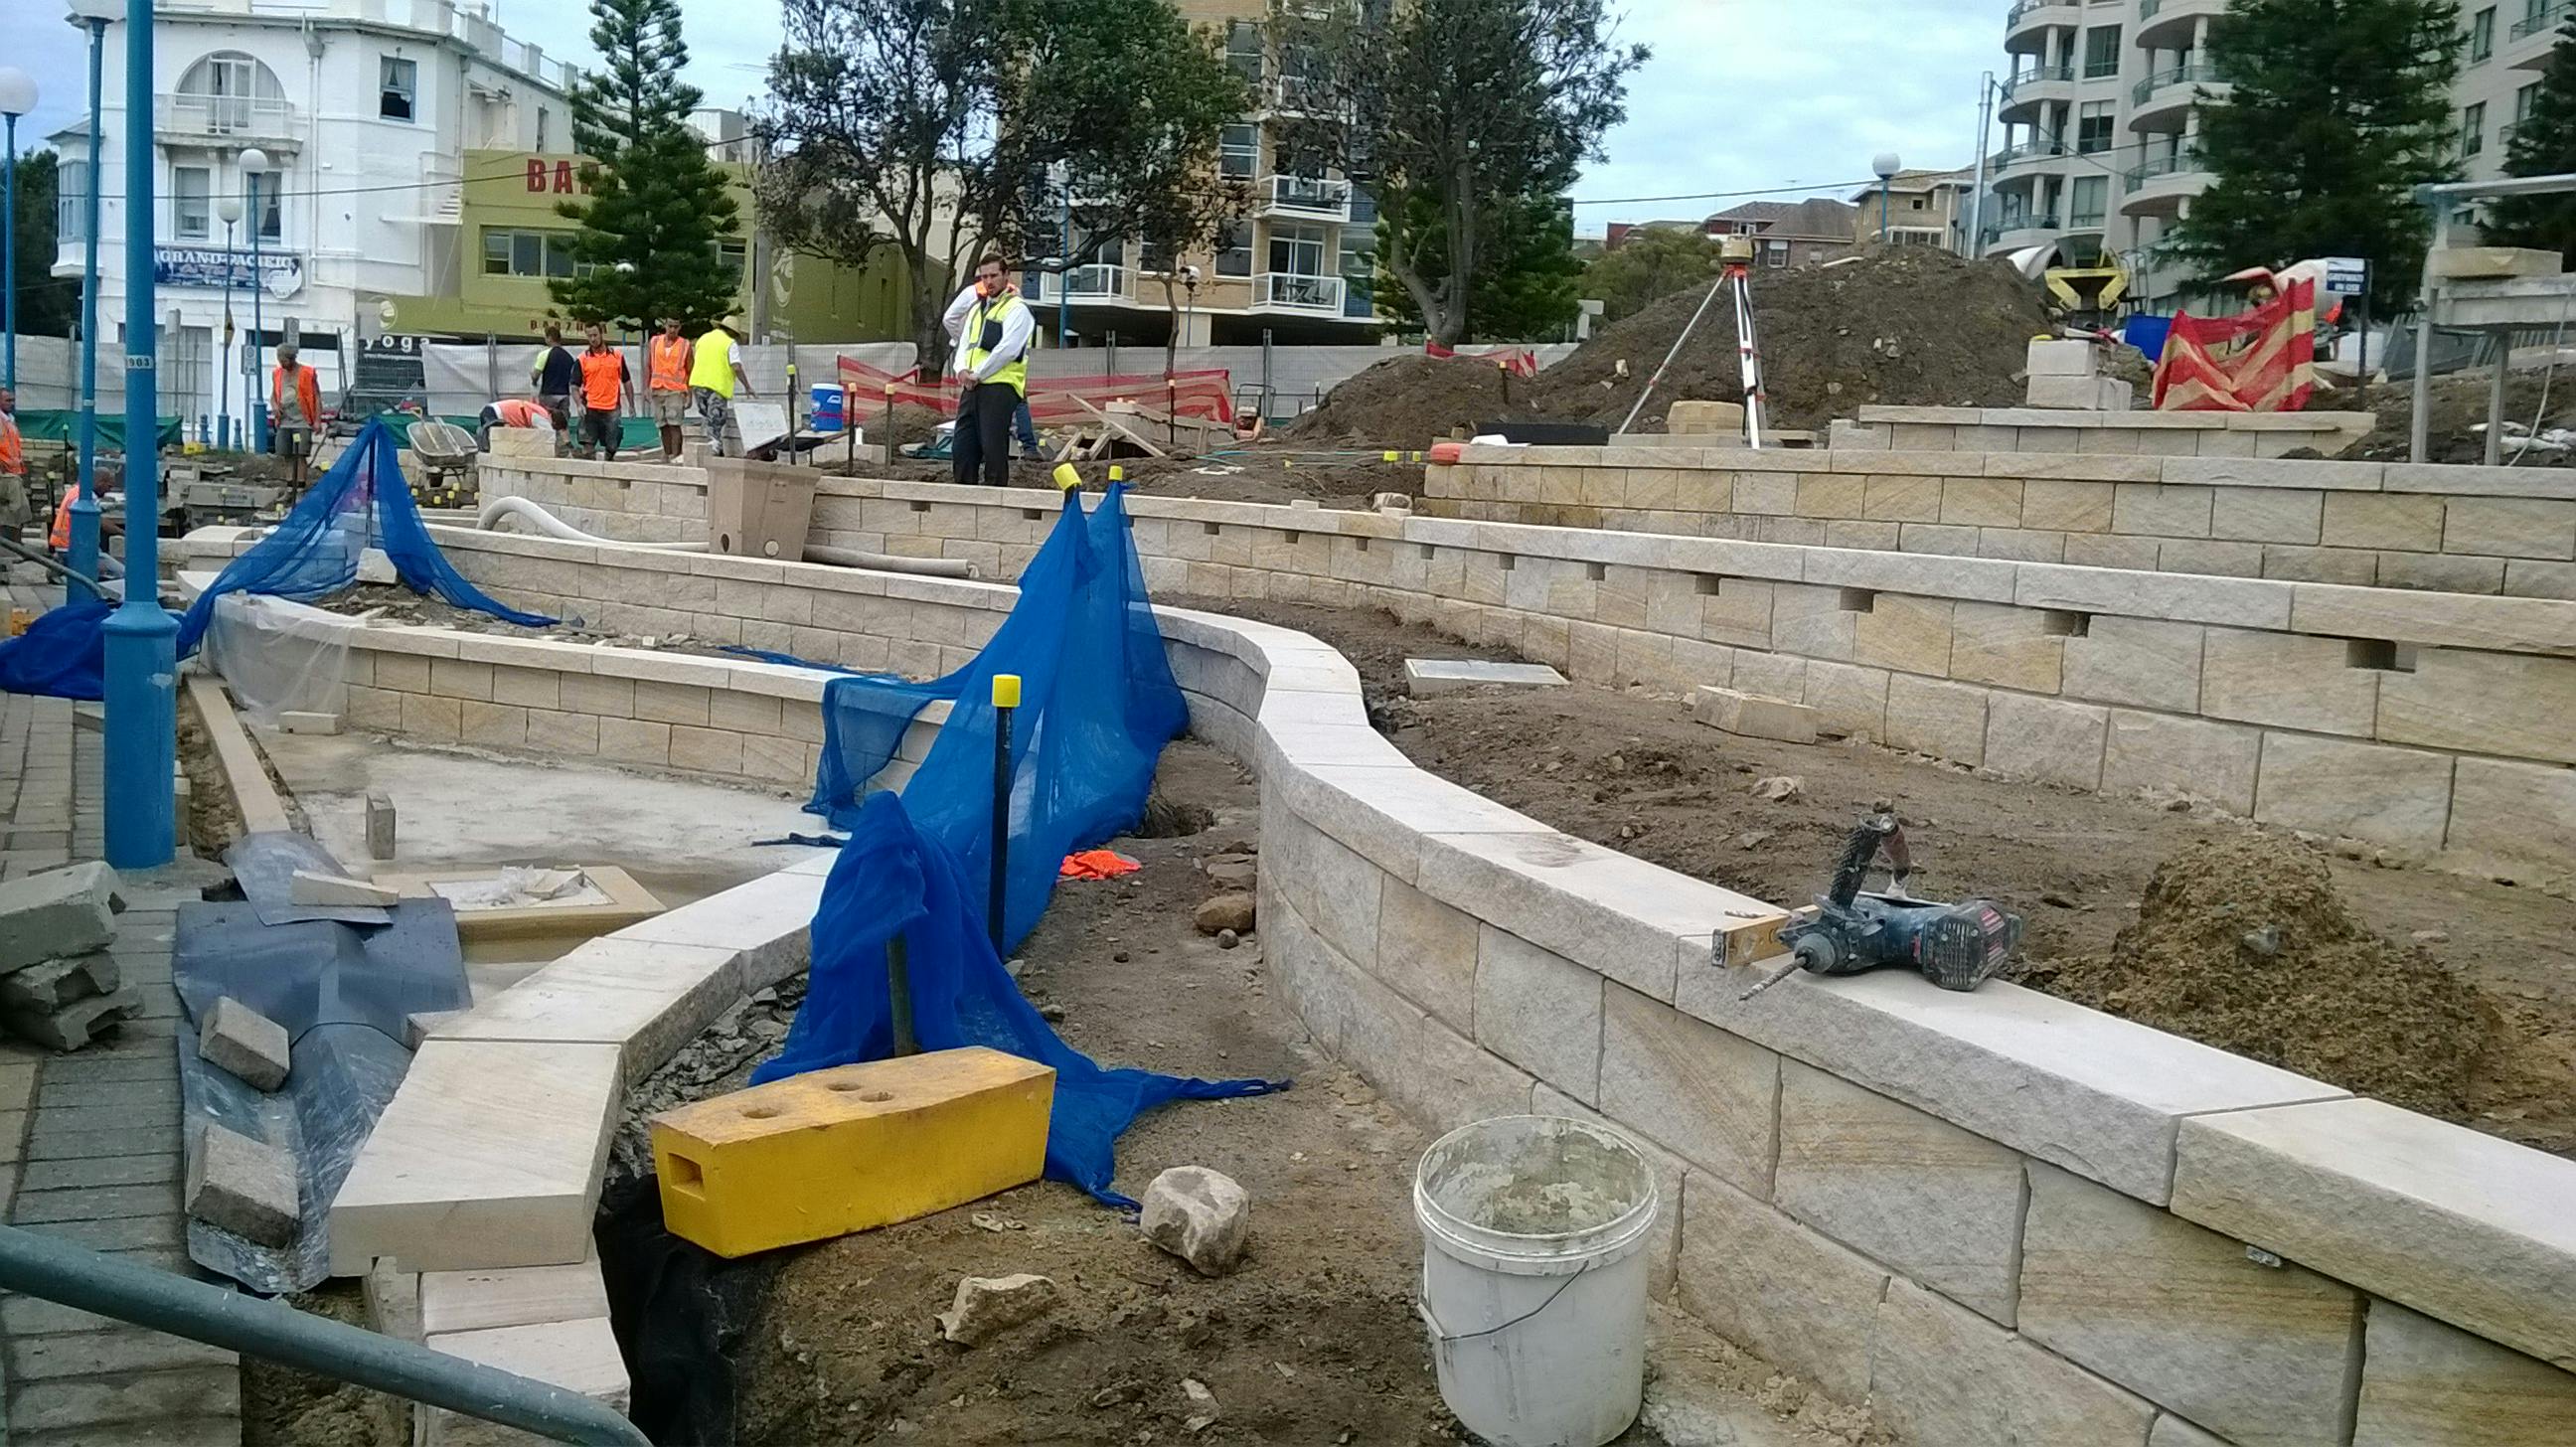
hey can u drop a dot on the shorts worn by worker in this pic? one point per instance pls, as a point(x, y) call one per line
point(670, 408)
point(717, 408)
point(558, 405)
point(13, 503)
point(291, 439)
point(599, 428)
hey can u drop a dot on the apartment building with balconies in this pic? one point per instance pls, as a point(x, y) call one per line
point(364, 110)
point(2100, 107)
point(1299, 265)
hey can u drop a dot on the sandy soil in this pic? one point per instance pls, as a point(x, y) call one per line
point(1629, 769)
point(2457, 415)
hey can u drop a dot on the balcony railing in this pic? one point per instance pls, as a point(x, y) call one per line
point(2176, 75)
point(2147, 8)
point(1306, 196)
point(2013, 16)
point(2545, 20)
point(2086, 221)
point(2156, 166)
point(224, 116)
point(1292, 291)
point(2031, 149)
point(2037, 75)
point(1098, 280)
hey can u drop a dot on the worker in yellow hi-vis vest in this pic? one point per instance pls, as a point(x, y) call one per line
point(715, 370)
point(989, 328)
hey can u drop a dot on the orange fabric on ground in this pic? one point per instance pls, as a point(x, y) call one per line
point(1097, 864)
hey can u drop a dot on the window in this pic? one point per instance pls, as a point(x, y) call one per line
point(2093, 128)
point(733, 256)
point(2473, 129)
point(1243, 49)
point(272, 206)
point(400, 83)
point(191, 202)
point(1234, 249)
point(1238, 152)
point(1299, 250)
point(530, 253)
point(226, 93)
point(2086, 203)
point(1153, 257)
point(1775, 253)
point(2101, 52)
point(2522, 102)
point(1918, 203)
point(2482, 35)
point(71, 197)
point(545, 124)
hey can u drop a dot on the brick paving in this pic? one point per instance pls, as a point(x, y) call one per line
point(90, 1141)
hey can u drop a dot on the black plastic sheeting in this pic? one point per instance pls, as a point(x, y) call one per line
point(681, 1313)
point(343, 993)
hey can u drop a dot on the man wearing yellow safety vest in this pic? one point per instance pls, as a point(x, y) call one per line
point(668, 358)
point(715, 371)
point(989, 328)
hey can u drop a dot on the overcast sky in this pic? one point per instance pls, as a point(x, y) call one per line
point(1741, 94)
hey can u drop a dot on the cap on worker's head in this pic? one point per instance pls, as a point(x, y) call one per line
point(733, 323)
point(1066, 479)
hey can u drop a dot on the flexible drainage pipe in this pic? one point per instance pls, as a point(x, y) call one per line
point(554, 527)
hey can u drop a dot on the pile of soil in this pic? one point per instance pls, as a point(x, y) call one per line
point(1907, 326)
point(2456, 417)
point(2244, 943)
point(1412, 401)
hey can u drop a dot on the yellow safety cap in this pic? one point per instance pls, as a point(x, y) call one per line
point(1066, 479)
point(1006, 690)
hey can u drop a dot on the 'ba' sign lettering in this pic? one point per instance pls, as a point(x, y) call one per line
point(555, 176)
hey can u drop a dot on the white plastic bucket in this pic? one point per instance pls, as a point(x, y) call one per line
point(1534, 1277)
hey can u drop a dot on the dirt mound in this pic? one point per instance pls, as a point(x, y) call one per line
point(2244, 944)
point(1908, 326)
point(2456, 421)
point(1412, 401)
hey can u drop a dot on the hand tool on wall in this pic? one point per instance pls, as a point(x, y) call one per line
point(1956, 946)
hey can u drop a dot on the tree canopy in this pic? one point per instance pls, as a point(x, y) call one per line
point(1531, 289)
point(48, 305)
point(1649, 263)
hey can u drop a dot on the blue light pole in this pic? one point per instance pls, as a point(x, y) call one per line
point(142, 637)
point(253, 162)
point(94, 16)
point(17, 97)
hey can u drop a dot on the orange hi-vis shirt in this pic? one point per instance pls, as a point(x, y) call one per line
point(60, 539)
point(308, 394)
point(13, 452)
point(670, 362)
point(516, 413)
point(601, 374)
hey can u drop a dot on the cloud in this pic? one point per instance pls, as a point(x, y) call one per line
point(57, 55)
point(1747, 94)
point(730, 42)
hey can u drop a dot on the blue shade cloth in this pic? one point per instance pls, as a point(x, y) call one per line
point(893, 876)
point(362, 501)
point(61, 655)
point(1097, 704)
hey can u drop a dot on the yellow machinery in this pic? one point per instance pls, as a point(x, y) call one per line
point(2087, 297)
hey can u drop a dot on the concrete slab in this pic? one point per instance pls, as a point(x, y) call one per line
point(1431, 677)
point(57, 913)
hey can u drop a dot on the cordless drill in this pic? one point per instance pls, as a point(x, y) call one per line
point(1956, 946)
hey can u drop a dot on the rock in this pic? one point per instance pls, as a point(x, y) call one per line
point(1752, 838)
point(2265, 941)
point(1233, 873)
point(1779, 787)
point(2431, 937)
point(1230, 911)
point(57, 913)
point(2061, 901)
point(245, 1042)
point(1202, 1216)
point(1203, 1408)
point(75, 1024)
point(986, 1305)
point(1050, 1012)
point(43, 989)
point(245, 1186)
point(1227, 939)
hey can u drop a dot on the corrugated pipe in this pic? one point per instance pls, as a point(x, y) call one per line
point(555, 527)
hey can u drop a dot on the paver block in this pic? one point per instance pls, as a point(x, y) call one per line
point(332, 891)
point(59, 912)
point(1940, 1204)
point(2050, 357)
point(1732, 710)
point(452, 1301)
point(380, 825)
point(834, 1151)
point(2259, 1354)
point(2461, 1225)
point(2425, 1383)
point(297, 721)
point(247, 1043)
point(45, 988)
point(74, 1025)
point(245, 1186)
point(1431, 677)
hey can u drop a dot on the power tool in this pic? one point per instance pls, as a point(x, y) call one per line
point(1956, 946)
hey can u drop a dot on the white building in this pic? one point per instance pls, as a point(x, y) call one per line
point(363, 108)
point(2100, 113)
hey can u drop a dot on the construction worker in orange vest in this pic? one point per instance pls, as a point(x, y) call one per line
point(293, 414)
point(668, 359)
point(13, 468)
point(604, 381)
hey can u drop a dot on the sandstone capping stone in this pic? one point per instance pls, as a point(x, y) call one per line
point(2181, 1315)
point(2455, 1224)
point(2242, 602)
point(1941, 1205)
point(1734, 711)
point(2518, 625)
point(2427, 1384)
point(246, 1043)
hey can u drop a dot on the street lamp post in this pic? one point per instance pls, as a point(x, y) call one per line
point(142, 663)
point(1886, 165)
point(229, 210)
point(93, 16)
point(17, 97)
point(253, 162)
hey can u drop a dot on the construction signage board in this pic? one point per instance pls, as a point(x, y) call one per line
point(2346, 276)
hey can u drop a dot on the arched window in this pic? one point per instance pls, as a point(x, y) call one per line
point(232, 91)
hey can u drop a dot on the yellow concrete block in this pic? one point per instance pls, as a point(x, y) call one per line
point(847, 1149)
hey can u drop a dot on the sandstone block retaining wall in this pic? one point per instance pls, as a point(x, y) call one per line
point(2145, 433)
point(2000, 1217)
point(2434, 528)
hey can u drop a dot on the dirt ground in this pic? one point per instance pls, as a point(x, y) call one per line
point(1314, 1341)
point(2493, 964)
point(284, 1407)
point(2457, 416)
